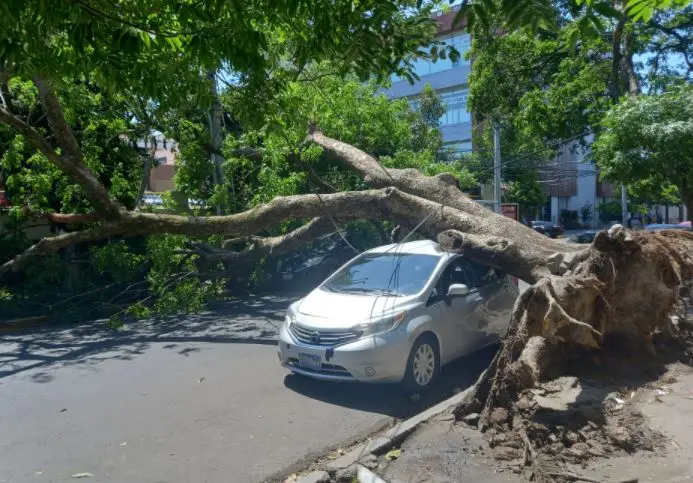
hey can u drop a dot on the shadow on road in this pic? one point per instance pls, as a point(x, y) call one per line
point(252, 321)
point(389, 399)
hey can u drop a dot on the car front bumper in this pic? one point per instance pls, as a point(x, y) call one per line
point(379, 358)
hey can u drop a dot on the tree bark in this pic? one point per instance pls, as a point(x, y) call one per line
point(633, 81)
point(382, 204)
point(215, 132)
point(442, 189)
point(615, 84)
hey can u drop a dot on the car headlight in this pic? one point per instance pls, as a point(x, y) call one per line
point(378, 326)
point(290, 317)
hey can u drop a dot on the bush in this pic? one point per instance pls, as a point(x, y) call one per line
point(609, 211)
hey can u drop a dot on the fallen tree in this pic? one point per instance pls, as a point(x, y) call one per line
point(620, 288)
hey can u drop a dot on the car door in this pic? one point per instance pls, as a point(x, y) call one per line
point(459, 316)
point(498, 293)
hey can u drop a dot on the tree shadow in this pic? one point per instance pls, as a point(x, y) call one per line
point(390, 399)
point(254, 320)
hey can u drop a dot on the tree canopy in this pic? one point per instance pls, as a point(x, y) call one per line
point(650, 137)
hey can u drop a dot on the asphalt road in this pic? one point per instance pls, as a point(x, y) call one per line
point(198, 399)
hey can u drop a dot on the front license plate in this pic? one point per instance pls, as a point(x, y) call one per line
point(309, 361)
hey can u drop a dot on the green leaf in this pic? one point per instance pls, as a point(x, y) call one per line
point(393, 454)
point(607, 10)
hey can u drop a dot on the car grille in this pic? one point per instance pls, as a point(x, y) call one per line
point(328, 369)
point(325, 338)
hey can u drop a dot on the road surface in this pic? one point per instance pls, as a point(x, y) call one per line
point(195, 399)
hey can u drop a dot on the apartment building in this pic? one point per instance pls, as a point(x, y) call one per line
point(450, 79)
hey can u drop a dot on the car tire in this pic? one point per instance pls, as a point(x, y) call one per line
point(423, 365)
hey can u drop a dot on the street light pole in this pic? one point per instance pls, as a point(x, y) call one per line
point(496, 169)
point(624, 206)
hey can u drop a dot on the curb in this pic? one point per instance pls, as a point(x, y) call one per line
point(382, 444)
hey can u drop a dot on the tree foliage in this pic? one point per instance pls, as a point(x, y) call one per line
point(551, 87)
point(650, 137)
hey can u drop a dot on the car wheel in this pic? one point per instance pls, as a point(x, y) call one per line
point(423, 365)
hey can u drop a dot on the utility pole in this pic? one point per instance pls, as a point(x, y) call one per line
point(496, 168)
point(215, 131)
point(624, 206)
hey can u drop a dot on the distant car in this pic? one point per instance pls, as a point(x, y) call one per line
point(585, 236)
point(667, 226)
point(396, 313)
point(547, 228)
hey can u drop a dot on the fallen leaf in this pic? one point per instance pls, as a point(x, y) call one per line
point(393, 454)
point(82, 475)
point(201, 379)
point(63, 410)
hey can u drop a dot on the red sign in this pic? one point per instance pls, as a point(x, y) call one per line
point(511, 210)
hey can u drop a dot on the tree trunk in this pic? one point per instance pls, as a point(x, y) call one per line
point(616, 79)
point(215, 133)
point(633, 81)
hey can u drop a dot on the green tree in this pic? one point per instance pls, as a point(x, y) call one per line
point(650, 136)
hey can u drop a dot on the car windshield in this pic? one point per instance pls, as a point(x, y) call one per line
point(384, 274)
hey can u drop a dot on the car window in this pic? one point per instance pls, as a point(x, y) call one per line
point(384, 273)
point(471, 274)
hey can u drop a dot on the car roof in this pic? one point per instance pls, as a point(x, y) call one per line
point(420, 247)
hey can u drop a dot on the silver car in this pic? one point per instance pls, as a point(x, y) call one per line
point(396, 313)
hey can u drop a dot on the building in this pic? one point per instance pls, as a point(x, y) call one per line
point(164, 153)
point(449, 79)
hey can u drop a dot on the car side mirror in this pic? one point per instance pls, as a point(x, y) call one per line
point(458, 290)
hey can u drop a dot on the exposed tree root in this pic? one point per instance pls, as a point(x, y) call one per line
point(623, 291)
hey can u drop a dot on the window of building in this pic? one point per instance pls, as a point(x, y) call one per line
point(459, 147)
point(456, 107)
point(462, 43)
point(455, 102)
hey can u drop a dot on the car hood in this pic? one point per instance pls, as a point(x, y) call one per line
point(322, 309)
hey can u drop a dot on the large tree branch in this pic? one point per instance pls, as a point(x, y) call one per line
point(387, 203)
point(259, 247)
point(70, 160)
point(442, 189)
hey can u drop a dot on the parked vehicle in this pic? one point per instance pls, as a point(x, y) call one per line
point(585, 236)
point(547, 228)
point(667, 226)
point(396, 313)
